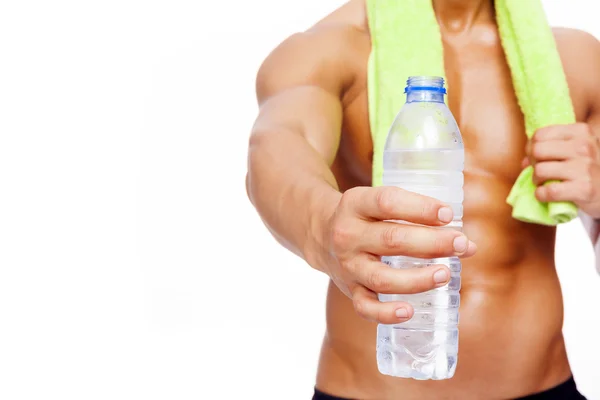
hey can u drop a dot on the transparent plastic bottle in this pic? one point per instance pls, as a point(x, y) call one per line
point(424, 153)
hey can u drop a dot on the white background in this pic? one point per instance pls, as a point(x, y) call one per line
point(132, 265)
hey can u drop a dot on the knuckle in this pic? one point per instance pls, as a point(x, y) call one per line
point(537, 150)
point(384, 200)
point(341, 235)
point(360, 306)
point(587, 191)
point(350, 266)
point(586, 149)
point(428, 210)
point(588, 166)
point(378, 282)
point(355, 191)
point(393, 237)
point(553, 191)
point(584, 129)
point(538, 171)
point(541, 194)
point(347, 197)
point(592, 145)
point(442, 243)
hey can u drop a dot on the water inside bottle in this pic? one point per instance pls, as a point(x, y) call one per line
point(426, 346)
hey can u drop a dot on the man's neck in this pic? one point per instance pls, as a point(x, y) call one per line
point(460, 15)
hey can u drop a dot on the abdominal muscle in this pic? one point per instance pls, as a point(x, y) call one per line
point(510, 330)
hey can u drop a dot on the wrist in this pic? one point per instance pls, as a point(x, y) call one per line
point(322, 207)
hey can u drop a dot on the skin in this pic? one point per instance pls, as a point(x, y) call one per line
point(309, 177)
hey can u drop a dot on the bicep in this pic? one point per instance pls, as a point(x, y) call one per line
point(306, 111)
point(299, 87)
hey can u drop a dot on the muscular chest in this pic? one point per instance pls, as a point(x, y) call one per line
point(482, 99)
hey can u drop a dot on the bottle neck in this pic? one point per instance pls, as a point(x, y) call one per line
point(413, 96)
point(425, 89)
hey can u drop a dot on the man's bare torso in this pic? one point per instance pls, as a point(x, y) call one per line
point(511, 311)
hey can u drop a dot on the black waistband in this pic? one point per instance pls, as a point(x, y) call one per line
point(564, 391)
point(567, 390)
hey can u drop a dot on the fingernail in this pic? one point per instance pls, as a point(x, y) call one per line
point(440, 276)
point(402, 313)
point(460, 244)
point(445, 214)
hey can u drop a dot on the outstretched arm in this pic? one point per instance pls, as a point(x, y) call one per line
point(296, 135)
point(301, 90)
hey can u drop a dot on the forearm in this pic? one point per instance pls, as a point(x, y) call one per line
point(295, 139)
point(293, 189)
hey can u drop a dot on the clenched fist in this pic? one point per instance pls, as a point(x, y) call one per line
point(569, 154)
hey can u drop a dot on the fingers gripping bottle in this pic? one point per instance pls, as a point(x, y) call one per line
point(424, 153)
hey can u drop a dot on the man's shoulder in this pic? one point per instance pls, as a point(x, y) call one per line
point(345, 30)
point(352, 14)
point(580, 55)
point(328, 55)
point(578, 49)
point(567, 38)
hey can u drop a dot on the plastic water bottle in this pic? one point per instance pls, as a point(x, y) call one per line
point(424, 153)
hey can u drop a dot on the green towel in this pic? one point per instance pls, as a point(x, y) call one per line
point(406, 41)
